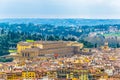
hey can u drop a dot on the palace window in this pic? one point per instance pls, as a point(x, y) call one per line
point(28, 55)
point(23, 54)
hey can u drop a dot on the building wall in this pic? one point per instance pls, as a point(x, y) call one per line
point(60, 51)
point(53, 45)
point(28, 53)
point(37, 48)
point(21, 48)
point(13, 76)
point(38, 45)
point(80, 45)
point(28, 75)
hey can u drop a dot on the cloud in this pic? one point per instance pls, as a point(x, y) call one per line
point(60, 8)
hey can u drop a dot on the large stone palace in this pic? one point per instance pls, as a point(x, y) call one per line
point(48, 48)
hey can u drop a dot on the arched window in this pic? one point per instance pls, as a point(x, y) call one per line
point(22, 54)
point(28, 55)
point(25, 54)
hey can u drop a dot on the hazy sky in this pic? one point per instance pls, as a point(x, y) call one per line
point(59, 9)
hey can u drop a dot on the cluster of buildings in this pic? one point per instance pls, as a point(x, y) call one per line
point(48, 60)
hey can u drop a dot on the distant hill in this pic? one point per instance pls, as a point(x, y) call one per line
point(63, 22)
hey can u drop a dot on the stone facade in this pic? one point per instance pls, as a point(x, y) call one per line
point(47, 48)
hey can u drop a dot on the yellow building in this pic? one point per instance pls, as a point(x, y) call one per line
point(14, 76)
point(28, 75)
point(22, 46)
point(102, 76)
point(3, 76)
point(80, 75)
point(73, 74)
point(52, 74)
point(38, 48)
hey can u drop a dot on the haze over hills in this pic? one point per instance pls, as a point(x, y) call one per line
point(62, 22)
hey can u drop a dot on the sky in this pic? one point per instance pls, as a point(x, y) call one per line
point(90, 9)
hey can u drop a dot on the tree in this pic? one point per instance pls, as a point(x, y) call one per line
point(86, 44)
